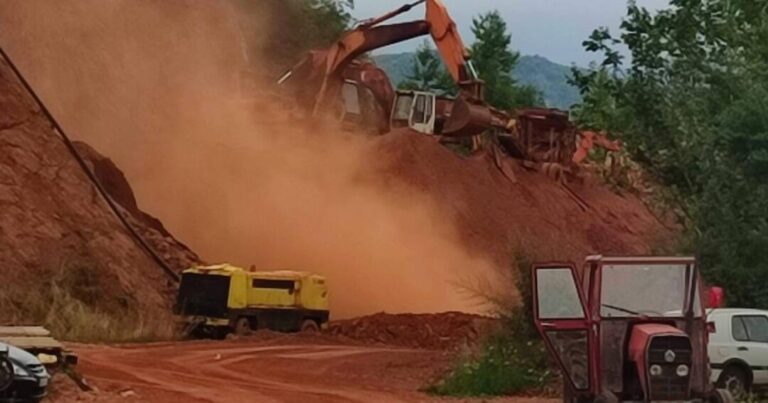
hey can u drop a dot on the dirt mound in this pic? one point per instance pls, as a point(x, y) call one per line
point(442, 331)
point(531, 215)
point(61, 242)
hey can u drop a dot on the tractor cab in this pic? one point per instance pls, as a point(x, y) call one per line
point(626, 329)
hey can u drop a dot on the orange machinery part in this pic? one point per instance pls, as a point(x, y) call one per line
point(590, 139)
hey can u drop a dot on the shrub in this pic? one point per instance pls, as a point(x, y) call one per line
point(512, 361)
point(69, 302)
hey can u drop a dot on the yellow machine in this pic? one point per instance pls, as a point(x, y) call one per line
point(215, 300)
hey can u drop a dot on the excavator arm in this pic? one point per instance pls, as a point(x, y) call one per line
point(452, 50)
point(321, 72)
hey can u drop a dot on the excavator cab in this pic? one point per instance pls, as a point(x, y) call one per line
point(414, 109)
point(360, 110)
point(324, 76)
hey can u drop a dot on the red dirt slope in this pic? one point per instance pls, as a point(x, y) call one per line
point(535, 216)
point(57, 235)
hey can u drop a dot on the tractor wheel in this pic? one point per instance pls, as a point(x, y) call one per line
point(242, 326)
point(568, 393)
point(606, 397)
point(309, 326)
point(735, 380)
point(721, 396)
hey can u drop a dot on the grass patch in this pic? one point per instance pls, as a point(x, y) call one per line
point(504, 366)
point(512, 361)
point(70, 302)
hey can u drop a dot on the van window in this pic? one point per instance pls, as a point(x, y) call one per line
point(757, 328)
point(738, 330)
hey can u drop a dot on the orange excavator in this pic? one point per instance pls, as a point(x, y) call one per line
point(332, 80)
point(361, 96)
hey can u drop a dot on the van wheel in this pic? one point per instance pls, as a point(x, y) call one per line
point(735, 380)
point(242, 326)
point(309, 326)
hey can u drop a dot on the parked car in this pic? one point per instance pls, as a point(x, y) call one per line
point(22, 377)
point(738, 349)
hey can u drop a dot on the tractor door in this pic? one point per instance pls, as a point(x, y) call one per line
point(562, 319)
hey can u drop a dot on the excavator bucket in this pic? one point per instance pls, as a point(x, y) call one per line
point(467, 119)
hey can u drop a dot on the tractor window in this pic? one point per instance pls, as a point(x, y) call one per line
point(625, 289)
point(756, 328)
point(558, 297)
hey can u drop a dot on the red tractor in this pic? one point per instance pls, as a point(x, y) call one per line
point(626, 329)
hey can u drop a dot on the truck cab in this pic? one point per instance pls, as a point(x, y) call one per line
point(626, 329)
point(216, 300)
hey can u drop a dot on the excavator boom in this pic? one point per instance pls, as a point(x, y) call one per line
point(320, 75)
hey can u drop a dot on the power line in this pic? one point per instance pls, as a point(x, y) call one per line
point(84, 166)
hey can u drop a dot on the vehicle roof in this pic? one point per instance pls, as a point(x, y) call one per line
point(226, 267)
point(736, 310)
point(640, 259)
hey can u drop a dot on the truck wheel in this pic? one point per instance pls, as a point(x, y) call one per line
point(735, 380)
point(242, 326)
point(309, 326)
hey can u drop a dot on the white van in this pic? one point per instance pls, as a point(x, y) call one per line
point(738, 349)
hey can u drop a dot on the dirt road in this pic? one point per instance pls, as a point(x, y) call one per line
point(280, 369)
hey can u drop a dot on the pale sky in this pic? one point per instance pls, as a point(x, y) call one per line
point(554, 29)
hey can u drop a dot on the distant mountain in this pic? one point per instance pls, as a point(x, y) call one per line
point(549, 77)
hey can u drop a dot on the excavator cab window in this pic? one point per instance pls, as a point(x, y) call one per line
point(420, 110)
point(351, 98)
point(402, 110)
point(423, 116)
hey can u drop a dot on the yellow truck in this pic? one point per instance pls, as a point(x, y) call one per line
point(216, 300)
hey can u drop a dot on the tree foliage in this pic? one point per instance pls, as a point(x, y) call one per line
point(429, 73)
point(494, 59)
point(692, 107)
point(491, 56)
point(280, 31)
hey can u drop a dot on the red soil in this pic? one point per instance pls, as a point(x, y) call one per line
point(536, 216)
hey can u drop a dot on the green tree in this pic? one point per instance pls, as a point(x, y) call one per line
point(494, 60)
point(691, 107)
point(428, 73)
point(295, 26)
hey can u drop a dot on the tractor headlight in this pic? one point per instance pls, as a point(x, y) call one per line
point(655, 370)
point(682, 370)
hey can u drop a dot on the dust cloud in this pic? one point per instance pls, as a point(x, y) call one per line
point(154, 85)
